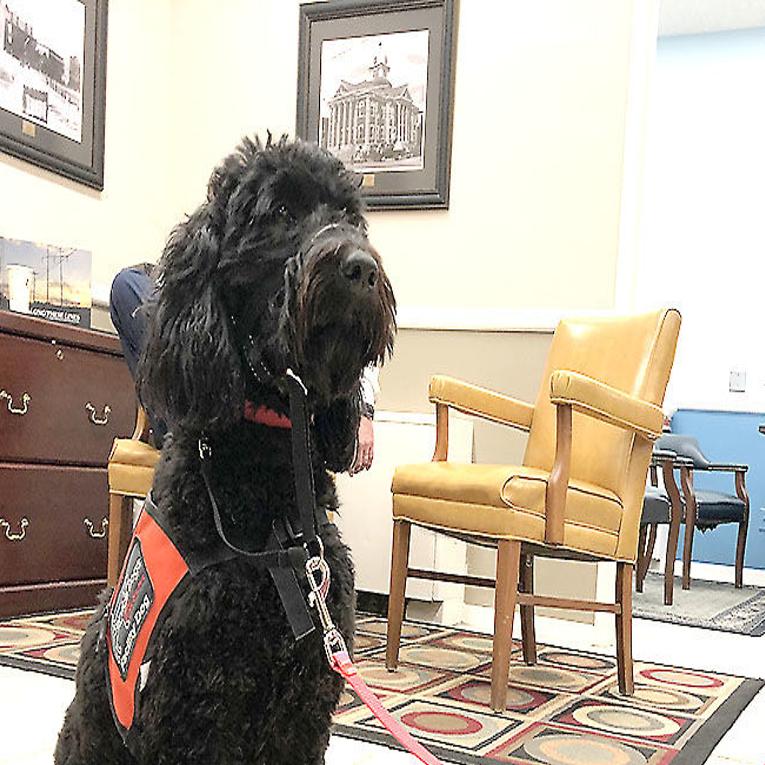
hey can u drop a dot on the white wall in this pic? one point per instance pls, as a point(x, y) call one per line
point(537, 159)
point(703, 234)
point(130, 219)
point(537, 154)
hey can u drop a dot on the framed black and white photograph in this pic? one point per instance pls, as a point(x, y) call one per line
point(375, 87)
point(53, 85)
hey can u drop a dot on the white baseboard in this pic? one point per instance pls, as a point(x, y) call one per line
point(714, 572)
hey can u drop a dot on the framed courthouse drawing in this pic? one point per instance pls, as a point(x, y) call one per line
point(53, 85)
point(375, 88)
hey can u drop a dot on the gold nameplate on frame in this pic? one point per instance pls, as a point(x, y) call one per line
point(29, 129)
point(368, 181)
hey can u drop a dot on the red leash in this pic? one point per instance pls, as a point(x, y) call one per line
point(343, 665)
point(340, 661)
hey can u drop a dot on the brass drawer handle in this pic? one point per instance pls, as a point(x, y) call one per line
point(98, 420)
point(15, 537)
point(96, 534)
point(25, 399)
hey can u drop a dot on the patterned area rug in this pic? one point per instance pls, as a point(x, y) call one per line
point(566, 710)
point(711, 605)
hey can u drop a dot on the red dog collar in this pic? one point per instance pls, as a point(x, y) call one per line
point(262, 415)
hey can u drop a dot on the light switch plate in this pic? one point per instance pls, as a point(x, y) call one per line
point(737, 381)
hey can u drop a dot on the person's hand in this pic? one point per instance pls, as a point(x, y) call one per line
point(365, 451)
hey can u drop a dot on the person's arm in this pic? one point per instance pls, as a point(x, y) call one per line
point(365, 448)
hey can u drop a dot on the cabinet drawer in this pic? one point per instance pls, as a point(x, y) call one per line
point(61, 404)
point(52, 526)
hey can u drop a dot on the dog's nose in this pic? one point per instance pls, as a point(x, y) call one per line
point(360, 269)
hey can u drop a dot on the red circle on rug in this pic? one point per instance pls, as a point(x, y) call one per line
point(444, 723)
point(697, 679)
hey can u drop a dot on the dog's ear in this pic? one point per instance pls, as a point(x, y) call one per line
point(189, 372)
point(336, 427)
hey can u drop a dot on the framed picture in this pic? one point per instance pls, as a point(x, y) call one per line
point(375, 88)
point(53, 85)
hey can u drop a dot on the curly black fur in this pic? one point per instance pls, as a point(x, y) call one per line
point(264, 257)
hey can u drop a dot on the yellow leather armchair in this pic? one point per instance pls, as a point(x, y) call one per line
point(130, 473)
point(578, 493)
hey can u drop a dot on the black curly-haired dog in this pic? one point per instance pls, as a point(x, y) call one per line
point(277, 253)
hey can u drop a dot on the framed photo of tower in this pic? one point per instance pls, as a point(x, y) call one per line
point(375, 88)
point(53, 85)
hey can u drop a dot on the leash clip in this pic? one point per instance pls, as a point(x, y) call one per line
point(317, 598)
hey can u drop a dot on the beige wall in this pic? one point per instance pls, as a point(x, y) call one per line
point(129, 220)
point(539, 115)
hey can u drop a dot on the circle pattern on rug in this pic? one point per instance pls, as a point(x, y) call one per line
point(441, 723)
point(578, 660)
point(477, 692)
point(471, 643)
point(571, 749)
point(408, 631)
point(403, 679)
point(556, 678)
point(664, 698)
point(441, 658)
point(364, 642)
point(24, 637)
point(617, 719)
point(65, 654)
point(682, 677)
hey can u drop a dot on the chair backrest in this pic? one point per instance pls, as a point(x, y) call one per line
point(633, 354)
point(684, 446)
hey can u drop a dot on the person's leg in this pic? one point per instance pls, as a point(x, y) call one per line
point(131, 288)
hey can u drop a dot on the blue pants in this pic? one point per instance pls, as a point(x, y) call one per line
point(131, 288)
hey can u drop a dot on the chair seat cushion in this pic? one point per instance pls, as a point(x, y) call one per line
point(131, 467)
point(656, 507)
point(501, 501)
point(713, 507)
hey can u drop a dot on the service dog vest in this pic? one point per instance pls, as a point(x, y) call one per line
point(154, 571)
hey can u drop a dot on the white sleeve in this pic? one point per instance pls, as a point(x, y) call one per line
point(370, 384)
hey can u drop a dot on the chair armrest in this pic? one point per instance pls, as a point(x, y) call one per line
point(660, 456)
point(603, 402)
point(142, 427)
point(727, 468)
point(481, 402)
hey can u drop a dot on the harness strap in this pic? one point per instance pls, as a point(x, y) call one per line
point(293, 557)
point(342, 664)
point(301, 457)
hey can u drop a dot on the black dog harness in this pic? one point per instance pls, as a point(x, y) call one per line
point(155, 568)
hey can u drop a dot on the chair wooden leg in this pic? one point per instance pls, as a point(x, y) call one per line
point(505, 597)
point(740, 550)
point(120, 531)
point(641, 564)
point(646, 555)
point(398, 569)
point(671, 554)
point(690, 526)
point(528, 635)
point(624, 628)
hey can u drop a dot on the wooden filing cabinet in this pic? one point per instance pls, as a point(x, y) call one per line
point(65, 394)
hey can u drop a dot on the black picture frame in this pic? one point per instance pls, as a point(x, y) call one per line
point(28, 138)
point(429, 151)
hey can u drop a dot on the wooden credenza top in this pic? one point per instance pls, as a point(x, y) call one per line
point(41, 329)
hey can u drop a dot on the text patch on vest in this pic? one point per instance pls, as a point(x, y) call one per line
point(130, 607)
